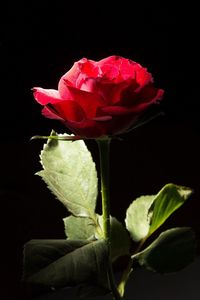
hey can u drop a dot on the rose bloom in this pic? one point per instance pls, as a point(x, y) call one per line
point(100, 98)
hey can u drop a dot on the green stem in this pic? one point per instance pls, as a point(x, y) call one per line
point(128, 270)
point(104, 147)
point(124, 279)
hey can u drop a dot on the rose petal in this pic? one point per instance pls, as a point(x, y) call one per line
point(89, 102)
point(130, 97)
point(109, 67)
point(137, 107)
point(109, 60)
point(143, 77)
point(121, 123)
point(72, 74)
point(70, 77)
point(150, 93)
point(45, 96)
point(116, 110)
point(103, 118)
point(87, 84)
point(83, 67)
point(87, 128)
point(113, 92)
point(89, 67)
point(50, 114)
point(151, 98)
point(118, 69)
point(84, 128)
point(69, 110)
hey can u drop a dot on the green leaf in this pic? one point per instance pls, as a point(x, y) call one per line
point(77, 228)
point(147, 213)
point(173, 250)
point(57, 264)
point(86, 229)
point(40, 253)
point(69, 171)
point(138, 217)
point(169, 199)
point(120, 240)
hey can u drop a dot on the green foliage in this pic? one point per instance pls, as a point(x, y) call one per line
point(77, 228)
point(61, 263)
point(69, 171)
point(148, 213)
point(40, 253)
point(86, 229)
point(138, 217)
point(83, 258)
point(173, 250)
point(119, 238)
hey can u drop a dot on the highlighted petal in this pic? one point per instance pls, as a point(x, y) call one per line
point(70, 77)
point(45, 96)
point(82, 67)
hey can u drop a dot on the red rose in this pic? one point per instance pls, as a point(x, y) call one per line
point(100, 98)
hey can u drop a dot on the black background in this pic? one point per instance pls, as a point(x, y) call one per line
point(39, 42)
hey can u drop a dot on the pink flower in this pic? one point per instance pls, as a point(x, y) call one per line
point(100, 98)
